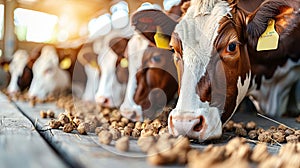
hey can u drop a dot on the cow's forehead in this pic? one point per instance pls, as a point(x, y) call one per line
point(198, 33)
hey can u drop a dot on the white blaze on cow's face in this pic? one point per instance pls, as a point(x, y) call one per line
point(136, 47)
point(198, 31)
point(92, 82)
point(110, 92)
point(47, 75)
point(16, 68)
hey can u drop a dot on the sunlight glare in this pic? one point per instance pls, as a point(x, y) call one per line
point(39, 26)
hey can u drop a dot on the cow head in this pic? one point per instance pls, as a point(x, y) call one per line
point(48, 76)
point(21, 73)
point(112, 85)
point(152, 79)
point(154, 73)
point(88, 58)
point(211, 53)
point(156, 81)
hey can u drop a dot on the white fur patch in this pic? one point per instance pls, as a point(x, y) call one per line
point(92, 82)
point(242, 91)
point(204, 7)
point(272, 97)
point(109, 87)
point(197, 35)
point(136, 48)
point(47, 76)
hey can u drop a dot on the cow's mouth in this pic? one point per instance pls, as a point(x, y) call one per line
point(202, 124)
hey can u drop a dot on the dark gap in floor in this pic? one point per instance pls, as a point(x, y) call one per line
point(46, 135)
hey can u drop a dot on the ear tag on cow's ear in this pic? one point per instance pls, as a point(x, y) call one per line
point(124, 63)
point(65, 63)
point(161, 40)
point(94, 64)
point(269, 39)
point(6, 67)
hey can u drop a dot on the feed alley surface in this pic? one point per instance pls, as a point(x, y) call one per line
point(27, 140)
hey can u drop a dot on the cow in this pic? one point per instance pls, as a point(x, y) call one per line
point(53, 71)
point(88, 58)
point(111, 91)
point(220, 62)
point(152, 81)
point(20, 72)
point(20, 69)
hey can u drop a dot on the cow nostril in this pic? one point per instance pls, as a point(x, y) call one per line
point(133, 115)
point(105, 101)
point(198, 127)
point(102, 100)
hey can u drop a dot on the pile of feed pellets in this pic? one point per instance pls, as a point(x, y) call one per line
point(153, 137)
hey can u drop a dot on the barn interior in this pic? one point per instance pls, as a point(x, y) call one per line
point(27, 134)
point(56, 22)
point(30, 24)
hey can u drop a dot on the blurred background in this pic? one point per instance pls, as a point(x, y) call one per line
point(28, 24)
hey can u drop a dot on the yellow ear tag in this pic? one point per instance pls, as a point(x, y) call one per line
point(6, 67)
point(94, 64)
point(124, 63)
point(65, 63)
point(269, 39)
point(161, 40)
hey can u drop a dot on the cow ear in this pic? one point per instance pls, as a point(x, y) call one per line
point(155, 25)
point(87, 56)
point(284, 13)
point(119, 45)
point(185, 6)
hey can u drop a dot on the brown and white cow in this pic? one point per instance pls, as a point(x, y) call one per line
point(53, 71)
point(20, 69)
point(88, 58)
point(215, 49)
point(111, 91)
point(20, 73)
point(152, 81)
point(48, 76)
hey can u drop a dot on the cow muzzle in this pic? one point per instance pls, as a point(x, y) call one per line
point(202, 124)
point(133, 113)
point(104, 101)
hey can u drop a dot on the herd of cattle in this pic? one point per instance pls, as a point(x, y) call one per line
point(202, 53)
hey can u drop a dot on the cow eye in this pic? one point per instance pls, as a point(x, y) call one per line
point(156, 59)
point(231, 47)
point(176, 58)
point(172, 50)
